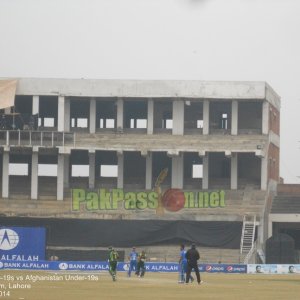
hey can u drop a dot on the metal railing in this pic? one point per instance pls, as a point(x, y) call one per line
point(36, 138)
point(261, 255)
point(250, 254)
point(248, 233)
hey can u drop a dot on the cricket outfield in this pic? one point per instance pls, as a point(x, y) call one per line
point(37, 285)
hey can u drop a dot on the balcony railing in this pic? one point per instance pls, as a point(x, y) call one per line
point(36, 138)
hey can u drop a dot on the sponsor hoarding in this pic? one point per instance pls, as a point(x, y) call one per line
point(103, 266)
point(22, 243)
point(262, 269)
point(288, 269)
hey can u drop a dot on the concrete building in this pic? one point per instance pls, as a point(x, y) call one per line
point(116, 136)
point(285, 212)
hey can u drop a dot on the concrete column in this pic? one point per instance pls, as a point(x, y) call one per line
point(92, 160)
point(92, 115)
point(206, 117)
point(66, 170)
point(120, 183)
point(149, 171)
point(35, 104)
point(177, 171)
point(264, 173)
point(205, 171)
point(60, 176)
point(265, 117)
point(61, 114)
point(5, 174)
point(261, 233)
point(234, 171)
point(150, 116)
point(120, 113)
point(270, 228)
point(234, 117)
point(67, 116)
point(178, 117)
point(34, 174)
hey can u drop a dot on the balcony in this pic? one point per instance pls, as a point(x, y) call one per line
point(36, 138)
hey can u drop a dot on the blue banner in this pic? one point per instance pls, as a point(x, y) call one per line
point(223, 268)
point(22, 243)
point(122, 267)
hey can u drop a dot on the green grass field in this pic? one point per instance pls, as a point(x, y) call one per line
point(154, 286)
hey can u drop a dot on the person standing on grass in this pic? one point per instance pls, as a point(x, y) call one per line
point(132, 261)
point(113, 257)
point(141, 264)
point(192, 256)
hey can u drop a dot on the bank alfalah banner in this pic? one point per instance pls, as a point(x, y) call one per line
point(22, 243)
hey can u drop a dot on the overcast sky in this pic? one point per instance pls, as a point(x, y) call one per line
point(162, 39)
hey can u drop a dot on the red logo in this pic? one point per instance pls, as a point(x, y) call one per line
point(173, 200)
point(229, 268)
point(208, 268)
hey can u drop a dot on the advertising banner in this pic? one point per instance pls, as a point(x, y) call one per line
point(274, 269)
point(22, 243)
point(103, 266)
point(288, 269)
point(262, 269)
point(223, 268)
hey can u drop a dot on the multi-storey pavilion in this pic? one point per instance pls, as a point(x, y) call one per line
point(120, 134)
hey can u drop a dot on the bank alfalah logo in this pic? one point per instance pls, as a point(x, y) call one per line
point(9, 239)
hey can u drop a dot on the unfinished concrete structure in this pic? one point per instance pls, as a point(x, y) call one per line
point(120, 134)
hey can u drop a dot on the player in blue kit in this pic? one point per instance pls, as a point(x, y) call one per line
point(132, 261)
point(183, 266)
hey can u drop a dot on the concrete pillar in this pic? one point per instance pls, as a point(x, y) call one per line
point(264, 173)
point(61, 114)
point(66, 170)
point(234, 171)
point(92, 115)
point(265, 117)
point(34, 174)
point(206, 117)
point(261, 233)
point(35, 104)
point(234, 117)
point(60, 176)
point(149, 171)
point(178, 117)
point(205, 171)
point(67, 116)
point(5, 174)
point(150, 116)
point(270, 228)
point(92, 160)
point(120, 113)
point(177, 171)
point(120, 183)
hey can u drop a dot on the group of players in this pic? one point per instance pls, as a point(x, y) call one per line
point(136, 263)
point(188, 261)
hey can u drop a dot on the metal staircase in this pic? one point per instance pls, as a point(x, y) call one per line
point(247, 239)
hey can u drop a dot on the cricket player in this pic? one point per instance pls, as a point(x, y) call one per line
point(141, 264)
point(113, 257)
point(183, 265)
point(132, 261)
